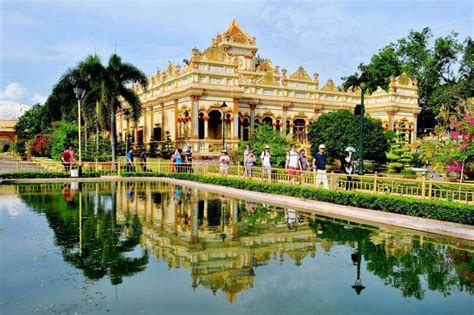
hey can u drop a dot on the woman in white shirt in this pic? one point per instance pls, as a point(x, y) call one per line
point(266, 164)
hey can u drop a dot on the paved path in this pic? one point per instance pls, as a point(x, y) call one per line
point(454, 230)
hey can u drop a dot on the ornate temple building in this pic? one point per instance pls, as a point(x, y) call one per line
point(187, 101)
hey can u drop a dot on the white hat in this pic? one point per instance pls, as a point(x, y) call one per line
point(267, 146)
point(322, 146)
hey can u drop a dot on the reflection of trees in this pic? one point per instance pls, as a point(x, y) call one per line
point(404, 264)
point(105, 243)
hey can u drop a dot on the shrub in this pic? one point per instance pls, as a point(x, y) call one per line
point(40, 146)
point(395, 167)
point(432, 209)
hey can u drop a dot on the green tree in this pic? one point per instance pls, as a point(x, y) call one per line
point(167, 147)
point(31, 123)
point(265, 135)
point(340, 129)
point(432, 65)
point(63, 135)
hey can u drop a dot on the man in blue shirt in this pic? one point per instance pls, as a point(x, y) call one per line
point(319, 164)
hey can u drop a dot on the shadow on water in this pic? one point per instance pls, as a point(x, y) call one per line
point(110, 229)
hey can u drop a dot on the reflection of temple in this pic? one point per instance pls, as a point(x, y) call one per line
point(204, 232)
point(185, 100)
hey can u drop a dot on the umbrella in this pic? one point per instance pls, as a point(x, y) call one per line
point(350, 149)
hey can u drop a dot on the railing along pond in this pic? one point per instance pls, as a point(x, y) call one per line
point(421, 187)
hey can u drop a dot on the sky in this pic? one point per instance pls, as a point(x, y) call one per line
point(41, 39)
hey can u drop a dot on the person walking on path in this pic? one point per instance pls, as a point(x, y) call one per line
point(266, 164)
point(246, 155)
point(304, 165)
point(319, 164)
point(143, 159)
point(348, 166)
point(224, 161)
point(189, 159)
point(249, 164)
point(129, 165)
point(178, 159)
point(67, 158)
point(292, 163)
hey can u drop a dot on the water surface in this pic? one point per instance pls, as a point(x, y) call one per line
point(132, 248)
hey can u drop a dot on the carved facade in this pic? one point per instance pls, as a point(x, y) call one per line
point(186, 101)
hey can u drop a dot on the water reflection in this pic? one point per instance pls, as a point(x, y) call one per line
point(111, 229)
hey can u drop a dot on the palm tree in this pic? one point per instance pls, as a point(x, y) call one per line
point(107, 90)
point(116, 91)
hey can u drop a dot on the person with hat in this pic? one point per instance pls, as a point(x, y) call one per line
point(266, 165)
point(319, 164)
point(224, 161)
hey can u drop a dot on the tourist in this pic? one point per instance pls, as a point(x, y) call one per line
point(129, 165)
point(319, 164)
point(143, 159)
point(173, 163)
point(266, 165)
point(304, 165)
point(189, 159)
point(67, 158)
point(246, 153)
point(292, 163)
point(249, 163)
point(224, 161)
point(178, 160)
point(348, 166)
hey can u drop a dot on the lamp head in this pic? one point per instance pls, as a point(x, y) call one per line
point(79, 92)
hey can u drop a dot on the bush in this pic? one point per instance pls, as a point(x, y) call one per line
point(395, 167)
point(431, 209)
point(40, 146)
point(64, 134)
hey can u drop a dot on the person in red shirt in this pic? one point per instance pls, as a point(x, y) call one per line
point(67, 158)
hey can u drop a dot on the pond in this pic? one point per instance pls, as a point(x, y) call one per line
point(142, 248)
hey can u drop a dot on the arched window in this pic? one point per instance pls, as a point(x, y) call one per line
point(299, 131)
point(201, 125)
point(267, 121)
point(245, 129)
point(215, 124)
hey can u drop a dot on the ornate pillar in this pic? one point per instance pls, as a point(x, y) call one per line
point(285, 117)
point(206, 126)
point(391, 120)
point(252, 117)
point(163, 120)
point(176, 129)
point(195, 116)
point(145, 129)
point(152, 123)
point(236, 119)
point(415, 126)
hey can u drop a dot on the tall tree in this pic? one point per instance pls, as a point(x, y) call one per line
point(432, 65)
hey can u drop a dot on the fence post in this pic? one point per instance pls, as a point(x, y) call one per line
point(430, 187)
point(96, 165)
point(314, 177)
point(159, 165)
point(18, 166)
point(119, 167)
point(423, 184)
point(375, 182)
point(238, 170)
point(333, 180)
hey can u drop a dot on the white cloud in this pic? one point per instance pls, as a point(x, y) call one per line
point(38, 98)
point(13, 92)
point(16, 92)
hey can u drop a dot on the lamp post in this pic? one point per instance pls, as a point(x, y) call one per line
point(361, 135)
point(79, 95)
point(223, 107)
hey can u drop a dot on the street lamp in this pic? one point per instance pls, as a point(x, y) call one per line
point(223, 107)
point(361, 135)
point(79, 95)
point(356, 260)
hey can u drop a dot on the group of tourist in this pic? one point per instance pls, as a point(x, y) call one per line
point(130, 164)
point(182, 161)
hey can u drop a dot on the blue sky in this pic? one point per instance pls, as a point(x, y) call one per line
point(40, 39)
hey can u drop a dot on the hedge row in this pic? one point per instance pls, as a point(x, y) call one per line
point(22, 175)
point(431, 209)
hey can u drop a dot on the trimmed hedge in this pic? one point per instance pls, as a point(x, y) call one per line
point(431, 209)
point(25, 175)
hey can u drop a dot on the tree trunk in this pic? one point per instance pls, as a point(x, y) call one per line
point(112, 136)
